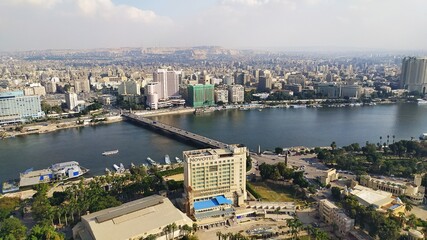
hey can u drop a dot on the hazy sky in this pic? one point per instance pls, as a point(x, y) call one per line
point(63, 24)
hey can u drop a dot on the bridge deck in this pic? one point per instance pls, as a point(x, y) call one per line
point(175, 131)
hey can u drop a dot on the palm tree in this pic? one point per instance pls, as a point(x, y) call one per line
point(381, 140)
point(219, 235)
point(394, 138)
point(173, 228)
point(194, 227)
point(388, 138)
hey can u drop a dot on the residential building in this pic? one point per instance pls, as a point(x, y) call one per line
point(330, 90)
point(71, 100)
point(201, 95)
point(214, 181)
point(236, 94)
point(221, 95)
point(331, 214)
point(15, 107)
point(133, 220)
point(329, 176)
point(414, 74)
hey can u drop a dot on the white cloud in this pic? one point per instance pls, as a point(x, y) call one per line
point(108, 10)
point(38, 3)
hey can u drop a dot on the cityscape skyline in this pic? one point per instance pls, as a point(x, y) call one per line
point(278, 24)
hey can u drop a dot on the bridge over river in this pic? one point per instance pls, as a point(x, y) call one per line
point(174, 131)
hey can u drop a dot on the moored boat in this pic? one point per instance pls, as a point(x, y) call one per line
point(178, 160)
point(56, 172)
point(167, 159)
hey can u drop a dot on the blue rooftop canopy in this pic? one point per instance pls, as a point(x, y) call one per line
point(213, 202)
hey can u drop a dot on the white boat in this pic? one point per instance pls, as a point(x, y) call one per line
point(107, 153)
point(167, 159)
point(122, 167)
point(423, 136)
point(117, 168)
point(58, 171)
point(151, 161)
point(107, 171)
point(178, 160)
point(132, 165)
point(421, 101)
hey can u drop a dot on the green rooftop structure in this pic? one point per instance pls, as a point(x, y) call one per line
point(201, 95)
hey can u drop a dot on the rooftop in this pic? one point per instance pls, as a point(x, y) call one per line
point(134, 219)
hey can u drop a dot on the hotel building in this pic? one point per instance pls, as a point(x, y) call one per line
point(15, 107)
point(214, 181)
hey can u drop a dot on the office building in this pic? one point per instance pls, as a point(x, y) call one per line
point(331, 214)
point(35, 90)
point(133, 220)
point(201, 95)
point(71, 100)
point(15, 107)
point(214, 181)
point(414, 74)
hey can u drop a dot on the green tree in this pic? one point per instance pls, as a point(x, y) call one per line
point(12, 228)
point(46, 232)
point(336, 193)
point(278, 150)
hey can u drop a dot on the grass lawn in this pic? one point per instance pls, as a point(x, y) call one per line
point(272, 192)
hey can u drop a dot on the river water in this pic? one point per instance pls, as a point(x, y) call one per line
point(268, 128)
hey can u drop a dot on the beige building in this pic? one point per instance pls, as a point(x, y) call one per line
point(413, 191)
point(236, 94)
point(132, 220)
point(221, 95)
point(331, 214)
point(329, 176)
point(214, 181)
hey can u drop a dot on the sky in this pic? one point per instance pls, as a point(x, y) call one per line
point(239, 24)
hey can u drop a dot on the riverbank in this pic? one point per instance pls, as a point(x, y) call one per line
point(47, 127)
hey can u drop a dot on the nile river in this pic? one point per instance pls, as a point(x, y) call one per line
point(268, 128)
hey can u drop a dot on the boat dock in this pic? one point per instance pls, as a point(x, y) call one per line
point(174, 131)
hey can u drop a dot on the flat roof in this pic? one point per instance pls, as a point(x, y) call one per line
point(134, 219)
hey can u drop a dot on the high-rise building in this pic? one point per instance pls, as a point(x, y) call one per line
point(71, 100)
point(201, 95)
point(214, 181)
point(15, 107)
point(151, 91)
point(169, 82)
point(236, 94)
point(414, 74)
point(264, 83)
